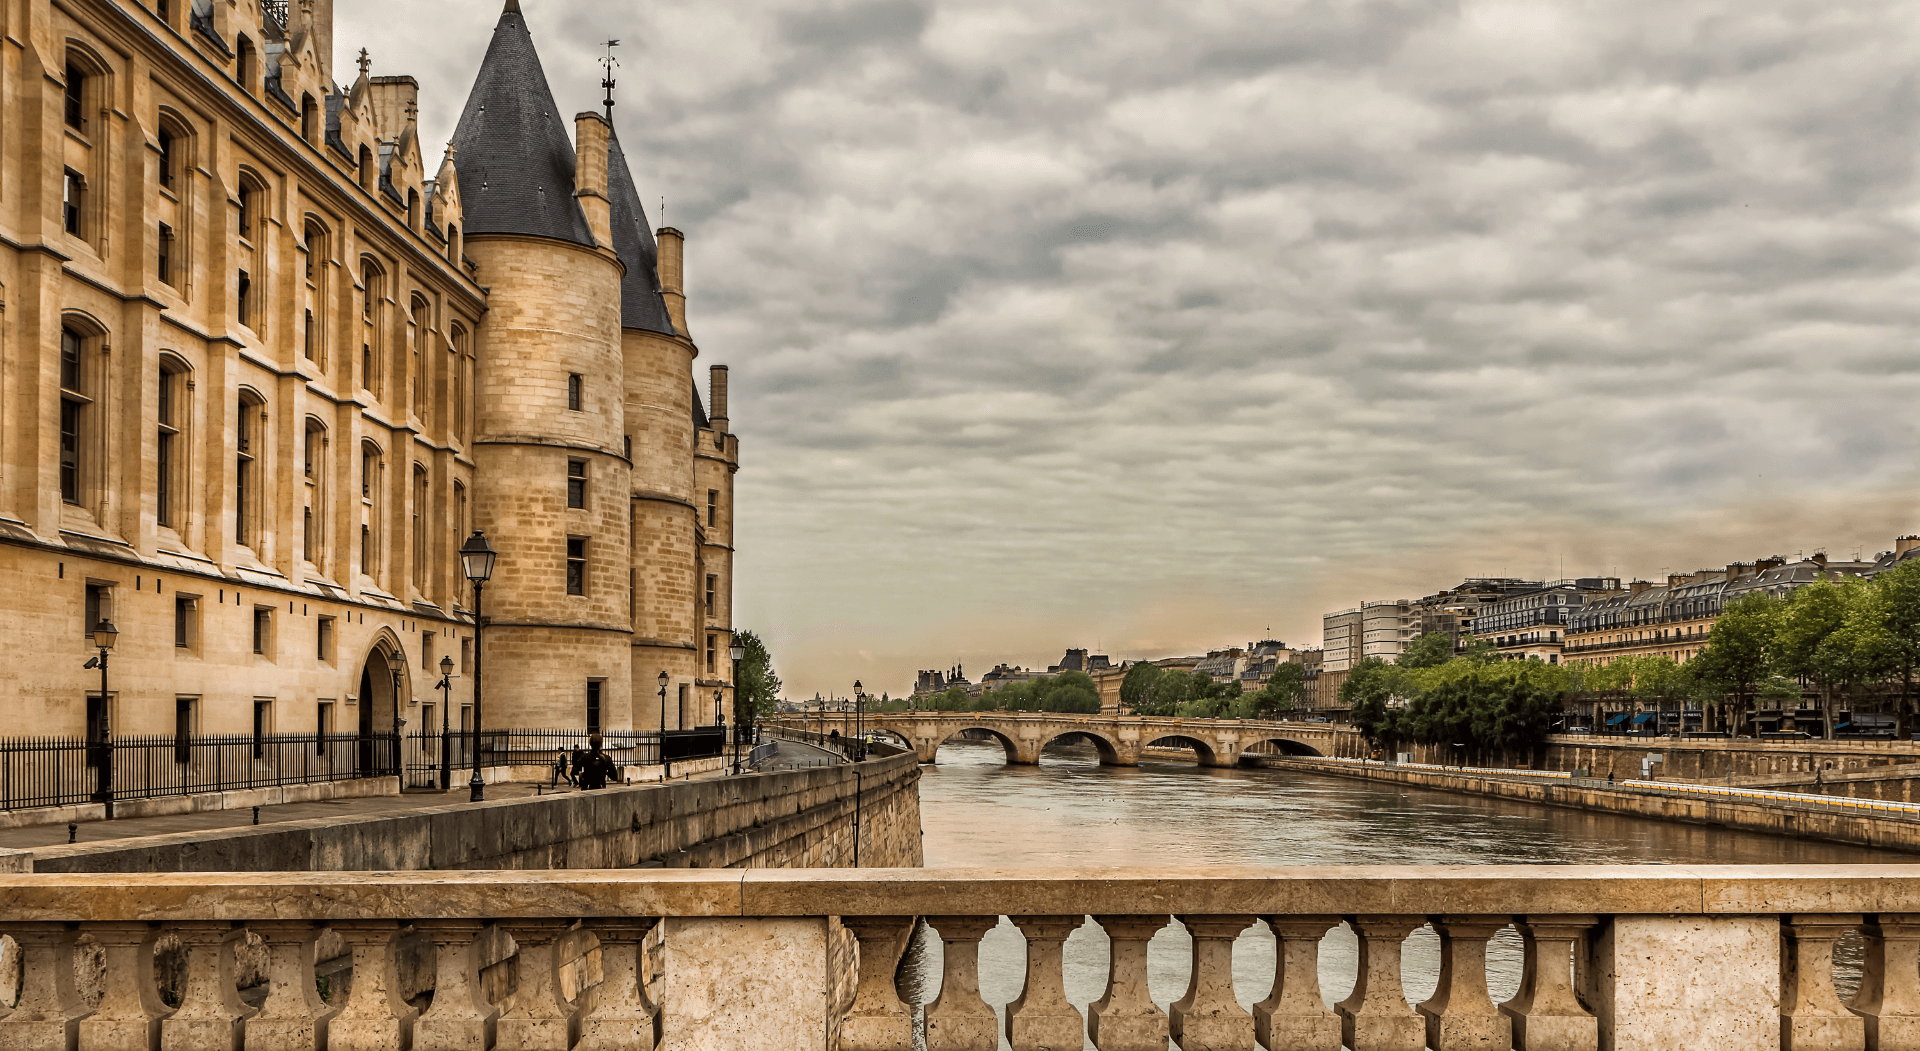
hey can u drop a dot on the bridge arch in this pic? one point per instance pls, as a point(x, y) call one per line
point(1201, 749)
point(1286, 747)
point(893, 736)
point(1006, 743)
point(1109, 752)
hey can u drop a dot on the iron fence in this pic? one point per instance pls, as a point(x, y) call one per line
point(61, 771)
point(544, 748)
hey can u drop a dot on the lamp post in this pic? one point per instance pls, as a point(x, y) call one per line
point(104, 636)
point(742, 717)
point(476, 561)
point(397, 664)
point(446, 701)
point(860, 718)
point(662, 745)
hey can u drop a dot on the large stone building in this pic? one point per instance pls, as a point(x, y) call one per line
point(265, 362)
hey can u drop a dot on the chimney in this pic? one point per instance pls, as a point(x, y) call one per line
point(1638, 586)
point(672, 276)
point(1904, 544)
point(717, 394)
point(1819, 558)
point(1773, 562)
point(1735, 570)
point(1674, 580)
point(590, 132)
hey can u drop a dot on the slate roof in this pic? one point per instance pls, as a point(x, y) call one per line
point(516, 159)
point(640, 304)
point(699, 411)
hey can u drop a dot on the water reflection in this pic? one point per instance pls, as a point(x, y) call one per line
point(977, 810)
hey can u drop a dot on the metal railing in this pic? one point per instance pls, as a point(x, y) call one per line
point(517, 746)
point(62, 771)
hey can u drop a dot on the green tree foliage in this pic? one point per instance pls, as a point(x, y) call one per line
point(1428, 651)
point(1069, 691)
point(758, 687)
point(1738, 655)
point(1284, 690)
point(1136, 688)
point(1468, 709)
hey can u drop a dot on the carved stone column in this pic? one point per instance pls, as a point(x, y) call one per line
point(374, 1017)
point(1460, 1015)
point(1376, 1016)
point(293, 1018)
point(210, 1011)
point(48, 1014)
point(622, 1016)
point(1041, 1019)
point(1125, 1018)
point(460, 1018)
point(1208, 1017)
point(1546, 1013)
point(1888, 998)
point(130, 1009)
point(1812, 1018)
point(959, 1020)
point(1295, 1017)
point(877, 1020)
point(537, 1017)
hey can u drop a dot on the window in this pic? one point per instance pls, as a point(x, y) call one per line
point(633, 597)
point(248, 426)
point(366, 168)
point(166, 459)
point(323, 642)
point(593, 707)
point(76, 416)
point(576, 565)
point(163, 264)
point(247, 64)
point(243, 299)
point(307, 344)
point(72, 201)
point(314, 345)
point(422, 331)
point(371, 506)
point(713, 587)
point(461, 380)
point(183, 615)
point(426, 650)
point(466, 654)
point(712, 651)
point(627, 446)
point(184, 717)
point(309, 118)
point(262, 726)
point(713, 505)
point(420, 527)
point(369, 463)
point(99, 605)
point(166, 157)
point(313, 470)
point(263, 631)
point(248, 194)
point(576, 483)
point(76, 95)
point(573, 391)
point(322, 726)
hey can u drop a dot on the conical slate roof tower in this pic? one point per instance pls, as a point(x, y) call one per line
point(640, 304)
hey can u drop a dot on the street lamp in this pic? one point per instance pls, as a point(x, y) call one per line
point(476, 561)
point(859, 717)
point(742, 717)
point(664, 771)
point(104, 636)
point(397, 664)
point(446, 701)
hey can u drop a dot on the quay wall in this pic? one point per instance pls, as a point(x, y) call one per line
point(1858, 829)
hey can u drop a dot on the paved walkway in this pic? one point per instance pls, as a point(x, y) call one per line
point(796, 755)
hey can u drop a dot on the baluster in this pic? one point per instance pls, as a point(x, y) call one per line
point(958, 1019)
point(537, 1017)
point(48, 1013)
point(1295, 1017)
point(877, 1020)
point(374, 1017)
point(1376, 1017)
point(210, 1011)
point(1812, 1018)
point(622, 1017)
point(1460, 1015)
point(130, 1009)
point(1041, 1018)
point(1546, 1011)
point(460, 1018)
point(1888, 1000)
point(293, 1018)
point(1208, 1018)
point(1126, 1018)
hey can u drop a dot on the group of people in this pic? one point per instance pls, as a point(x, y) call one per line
point(586, 768)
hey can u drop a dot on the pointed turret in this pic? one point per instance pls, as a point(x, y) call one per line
point(640, 304)
point(516, 161)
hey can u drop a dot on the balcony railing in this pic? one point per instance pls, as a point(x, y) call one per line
point(1621, 957)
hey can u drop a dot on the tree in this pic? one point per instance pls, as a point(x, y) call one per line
point(1284, 690)
point(1368, 688)
point(1428, 651)
point(1738, 652)
point(757, 688)
point(1136, 688)
point(1899, 594)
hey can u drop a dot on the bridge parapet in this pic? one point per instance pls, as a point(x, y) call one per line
point(1118, 739)
point(1626, 958)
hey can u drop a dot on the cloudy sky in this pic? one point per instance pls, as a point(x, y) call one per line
point(1159, 326)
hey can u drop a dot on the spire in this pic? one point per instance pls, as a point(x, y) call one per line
point(516, 159)
point(640, 304)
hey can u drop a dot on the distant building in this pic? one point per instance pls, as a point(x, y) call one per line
point(1373, 629)
point(1531, 624)
point(1452, 612)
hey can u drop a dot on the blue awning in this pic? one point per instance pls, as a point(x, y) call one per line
point(1643, 717)
point(1616, 720)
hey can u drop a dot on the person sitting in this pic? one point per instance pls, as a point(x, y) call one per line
point(596, 767)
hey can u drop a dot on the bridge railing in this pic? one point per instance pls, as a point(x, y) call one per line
point(1619, 957)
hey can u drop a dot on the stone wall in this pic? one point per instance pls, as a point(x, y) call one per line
point(1744, 760)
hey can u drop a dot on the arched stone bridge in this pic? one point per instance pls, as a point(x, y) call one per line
point(1118, 738)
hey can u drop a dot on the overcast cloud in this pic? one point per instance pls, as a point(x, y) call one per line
point(1156, 325)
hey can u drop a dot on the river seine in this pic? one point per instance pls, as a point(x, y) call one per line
point(1069, 810)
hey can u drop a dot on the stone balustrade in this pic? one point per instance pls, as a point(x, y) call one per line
point(1624, 958)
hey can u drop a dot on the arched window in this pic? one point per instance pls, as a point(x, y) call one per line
point(459, 413)
point(422, 313)
point(249, 447)
point(79, 416)
point(169, 449)
point(313, 293)
point(371, 470)
point(420, 527)
point(76, 94)
point(252, 199)
point(372, 302)
point(314, 518)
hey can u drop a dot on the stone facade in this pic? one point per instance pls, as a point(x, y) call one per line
point(263, 367)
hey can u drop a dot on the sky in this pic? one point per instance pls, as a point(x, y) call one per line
point(1156, 327)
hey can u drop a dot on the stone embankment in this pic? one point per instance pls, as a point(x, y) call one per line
point(1820, 819)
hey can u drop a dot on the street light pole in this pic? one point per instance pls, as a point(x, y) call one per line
point(860, 718)
point(446, 701)
point(104, 636)
point(742, 717)
point(476, 560)
point(665, 772)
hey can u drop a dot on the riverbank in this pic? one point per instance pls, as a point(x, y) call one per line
point(1857, 823)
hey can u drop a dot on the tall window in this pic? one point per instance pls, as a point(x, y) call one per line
point(576, 483)
point(314, 295)
point(243, 298)
point(73, 200)
point(576, 565)
point(76, 96)
point(371, 360)
point(593, 707)
point(249, 195)
point(573, 391)
point(163, 265)
point(99, 606)
point(75, 414)
point(713, 505)
point(249, 438)
point(165, 450)
point(712, 651)
point(422, 332)
point(309, 119)
point(314, 472)
point(247, 65)
point(462, 382)
point(370, 508)
point(183, 611)
point(420, 527)
point(166, 157)
point(713, 588)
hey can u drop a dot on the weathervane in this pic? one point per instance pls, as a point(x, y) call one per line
point(607, 65)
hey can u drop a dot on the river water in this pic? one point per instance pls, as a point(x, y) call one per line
point(976, 810)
